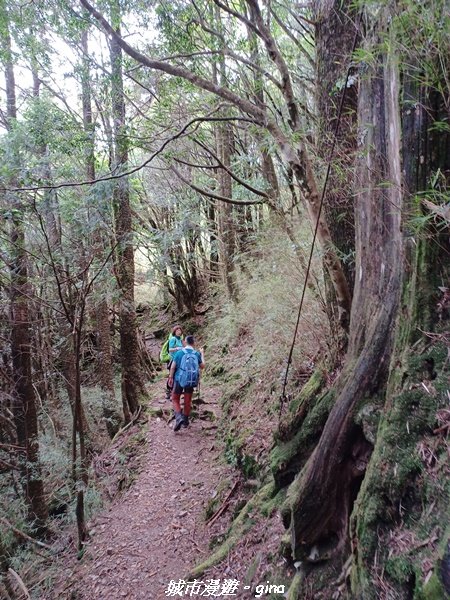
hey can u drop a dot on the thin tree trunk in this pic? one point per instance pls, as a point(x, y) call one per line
point(25, 413)
point(52, 225)
point(82, 475)
point(226, 226)
point(270, 174)
point(132, 385)
point(101, 312)
point(225, 221)
point(211, 212)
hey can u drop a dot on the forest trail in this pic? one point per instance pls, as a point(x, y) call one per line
point(155, 531)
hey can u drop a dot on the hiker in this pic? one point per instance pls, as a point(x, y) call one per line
point(184, 377)
point(175, 343)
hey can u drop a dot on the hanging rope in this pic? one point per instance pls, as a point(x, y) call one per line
point(330, 158)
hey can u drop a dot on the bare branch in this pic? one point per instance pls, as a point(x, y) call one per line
point(23, 535)
point(239, 16)
point(134, 169)
point(277, 58)
point(293, 38)
point(210, 193)
point(230, 172)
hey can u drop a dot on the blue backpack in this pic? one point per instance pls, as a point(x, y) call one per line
point(189, 369)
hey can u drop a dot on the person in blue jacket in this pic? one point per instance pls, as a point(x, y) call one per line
point(176, 380)
point(175, 344)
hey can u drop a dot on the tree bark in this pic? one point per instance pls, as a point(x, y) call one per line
point(393, 485)
point(132, 385)
point(225, 221)
point(226, 227)
point(25, 413)
point(321, 506)
point(101, 312)
point(335, 30)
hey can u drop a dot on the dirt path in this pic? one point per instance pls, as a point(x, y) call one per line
point(155, 531)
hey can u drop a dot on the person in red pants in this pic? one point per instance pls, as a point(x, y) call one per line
point(184, 377)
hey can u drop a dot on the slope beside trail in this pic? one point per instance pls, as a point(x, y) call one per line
point(155, 531)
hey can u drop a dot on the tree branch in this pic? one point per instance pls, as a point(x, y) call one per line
point(293, 38)
point(277, 58)
point(134, 169)
point(24, 535)
point(210, 193)
point(230, 172)
point(223, 92)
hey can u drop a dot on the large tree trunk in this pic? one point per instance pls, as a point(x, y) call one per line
point(132, 385)
point(403, 493)
point(324, 492)
point(335, 33)
point(25, 413)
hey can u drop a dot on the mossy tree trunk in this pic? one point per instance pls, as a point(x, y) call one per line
point(389, 474)
point(326, 489)
point(405, 492)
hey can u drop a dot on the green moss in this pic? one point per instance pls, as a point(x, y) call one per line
point(400, 568)
point(287, 458)
point(252, 569)
point(154, 412)
point(294, 590)
point(235, 395)
point(217, 370)
point(433, 590)
point(273, 503)
point(311, 388)
point(214, 503)
point(235, 455)
point(285, 549)
point(398, 490)
point(368, 418)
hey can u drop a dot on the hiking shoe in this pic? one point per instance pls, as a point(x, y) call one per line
point(179, 420)
point(168, 394)
point(185, 421)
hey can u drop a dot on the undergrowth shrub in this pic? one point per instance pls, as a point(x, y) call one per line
point(248, 344)
point(257, 331)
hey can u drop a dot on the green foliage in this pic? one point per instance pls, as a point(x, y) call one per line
point(308, 391)
point(239, 526)
point(433, 590)
point(262, 323)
